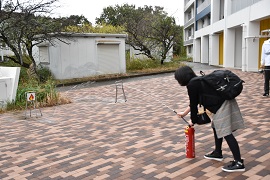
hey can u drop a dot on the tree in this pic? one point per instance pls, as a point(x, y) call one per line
point(88, 28)
point(149, 29)
point(178, 48)
point(75, 20)
point(164, 32)
point(24, 25)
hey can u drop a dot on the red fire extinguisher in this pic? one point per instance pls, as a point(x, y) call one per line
point(190, 142)
point(190, 139)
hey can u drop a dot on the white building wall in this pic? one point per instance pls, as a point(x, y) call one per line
point(77, 59)
point(5, 51)
point(259, 10)
point(240, 28)
point(9, 78)
point(189, 15)
point(79, 56)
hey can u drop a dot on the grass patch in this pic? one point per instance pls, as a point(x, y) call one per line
point(152, 66)
point(46, 93)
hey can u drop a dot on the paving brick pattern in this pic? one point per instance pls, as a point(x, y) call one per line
point(96, 138)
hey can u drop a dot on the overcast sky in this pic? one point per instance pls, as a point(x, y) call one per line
point(93, 8)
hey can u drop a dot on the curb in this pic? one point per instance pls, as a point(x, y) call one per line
point(115, 78)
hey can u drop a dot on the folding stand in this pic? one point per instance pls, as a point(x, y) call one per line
point(119, 85)
point(31, 101)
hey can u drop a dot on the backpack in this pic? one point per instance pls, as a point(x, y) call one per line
point(226, 83)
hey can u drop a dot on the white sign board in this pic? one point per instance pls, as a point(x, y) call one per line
point(31, 96)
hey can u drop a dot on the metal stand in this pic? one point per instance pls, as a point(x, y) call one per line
point(119, 85)
point(31, 103)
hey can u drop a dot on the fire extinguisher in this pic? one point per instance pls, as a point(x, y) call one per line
point(190, 142)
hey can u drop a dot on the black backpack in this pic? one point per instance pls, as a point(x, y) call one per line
point(226, 83)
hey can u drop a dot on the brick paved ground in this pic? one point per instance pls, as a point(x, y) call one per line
point(96, 138)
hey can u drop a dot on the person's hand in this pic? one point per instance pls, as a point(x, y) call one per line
point(181, 115)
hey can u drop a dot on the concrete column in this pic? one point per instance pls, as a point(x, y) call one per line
point(238, 47)
point(197, 50)
point(252, 44)
point(229, 44)
point(205, 49)
point(215, 11)
point(214, 49)
point(244, 47)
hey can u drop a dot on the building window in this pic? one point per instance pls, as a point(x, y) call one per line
point(189, 50)
point(44, 54)
point(189, 32)
point(202, 22)
point(209, 19)
point(189, 15)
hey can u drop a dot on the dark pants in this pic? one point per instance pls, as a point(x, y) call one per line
point(266, 79)
point(232, 143)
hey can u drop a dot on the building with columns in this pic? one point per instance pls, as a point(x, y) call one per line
point(227, 33)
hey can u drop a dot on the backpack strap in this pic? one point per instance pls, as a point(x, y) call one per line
point(201, 96)
point(201, 93)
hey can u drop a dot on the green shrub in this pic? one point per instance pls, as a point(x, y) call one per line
point(182, 58)
point(138, 64)
point(44, 74)
point(46, 94)
point(148, 65)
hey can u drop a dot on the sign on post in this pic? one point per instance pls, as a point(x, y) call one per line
point(31, 96)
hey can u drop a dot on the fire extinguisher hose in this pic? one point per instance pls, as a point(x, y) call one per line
point(182, 118)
